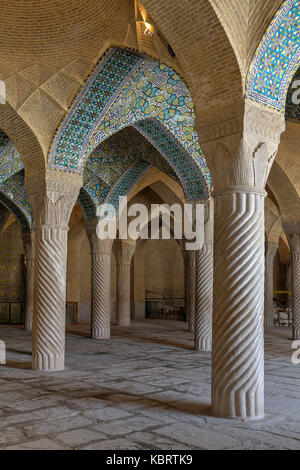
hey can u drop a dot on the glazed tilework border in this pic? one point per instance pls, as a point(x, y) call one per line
point(192, 180)
point(113, 157)
point(126, 182)
point(89, 106)
point(13, 189)
point(16, 211)
point(10, 159)
point(87, 204)
point(277, 58)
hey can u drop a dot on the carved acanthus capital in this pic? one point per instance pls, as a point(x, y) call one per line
point(124, 251)
point(263, 123)
point(243, 156)
point(190, 256)
point(53, 199)
point(292, 231)
point(97, 245)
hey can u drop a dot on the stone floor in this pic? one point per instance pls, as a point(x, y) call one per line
point(145, 388)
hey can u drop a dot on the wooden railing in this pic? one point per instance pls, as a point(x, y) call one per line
point(11, 312)
point(165, 309)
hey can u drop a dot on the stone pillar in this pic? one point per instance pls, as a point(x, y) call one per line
point(271, 250)
point(28, 242)
point(238, 355)
point(100, 285)
point(240, 153)
point(191, 288)
point(125, 252)
point(139, 281)
point(292, 231)
point(52, 202)
point(204, 286)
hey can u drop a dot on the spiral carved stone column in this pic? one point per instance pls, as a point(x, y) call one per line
point(204, 284)
point(204, 298)
point(191, 288)
point(237, 358)
point(124, 256)
point(239, 152)
point(100, 296)
point(52, 206)
point(100, 292)
point(269, 262)
point(292, 231)
point(296, 294)
point(28, 242)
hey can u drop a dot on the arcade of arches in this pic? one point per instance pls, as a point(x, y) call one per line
point(142, 344)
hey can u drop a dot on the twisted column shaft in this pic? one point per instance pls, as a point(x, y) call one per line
point(48, 333)
point(296, 294)
point(125, 250)
point(100, 283)
point(100, 298)
point(237, 349)
point(204, 298)
point(292, 231)
point(29, 294)
point(268, 304)
point(52, 201)
point(123, 308)
point(191, 289)
point(28, 241)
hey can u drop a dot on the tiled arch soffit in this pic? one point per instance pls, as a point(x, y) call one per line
point(276, 59)
point(128, 89)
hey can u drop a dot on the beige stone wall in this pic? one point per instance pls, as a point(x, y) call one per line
point(164, 269)
point(157, 267)
point(79, 274)
point(11, 264)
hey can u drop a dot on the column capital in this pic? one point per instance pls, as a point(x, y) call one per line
point(124, 251)
point(240, 152)
point(53, 198)
point(97, 245)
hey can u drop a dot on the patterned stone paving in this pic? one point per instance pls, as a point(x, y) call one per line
point(145, 388)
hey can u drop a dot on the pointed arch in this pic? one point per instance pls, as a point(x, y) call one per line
point(12, 207)
point(23, 139)
point(126, 88)
point(13, 196)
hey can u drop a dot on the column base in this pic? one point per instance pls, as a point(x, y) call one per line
point(296, 333)
point(103, 333)
point(248, 407)
point(28, 327)
point(123, 322)
point(48, 364)
point(203, 344)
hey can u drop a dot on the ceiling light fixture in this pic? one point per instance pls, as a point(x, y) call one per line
point(149, 30)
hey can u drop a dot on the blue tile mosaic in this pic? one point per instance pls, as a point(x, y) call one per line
point(123, 89)
point(277, 58)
